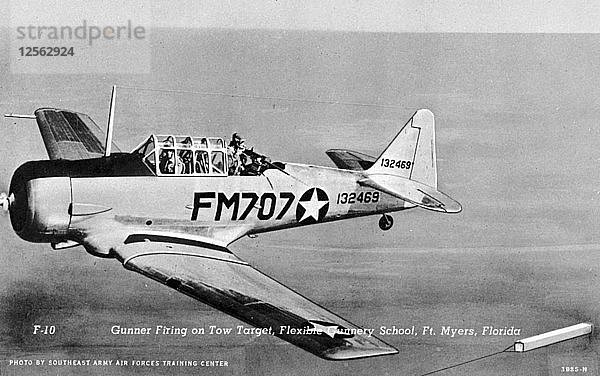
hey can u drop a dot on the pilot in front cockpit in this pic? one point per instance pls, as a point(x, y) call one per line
point(167, 161)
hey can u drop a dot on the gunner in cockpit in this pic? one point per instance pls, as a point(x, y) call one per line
point(235, 154)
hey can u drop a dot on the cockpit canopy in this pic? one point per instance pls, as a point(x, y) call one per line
point(168, 155)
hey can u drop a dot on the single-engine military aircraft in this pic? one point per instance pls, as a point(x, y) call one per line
point(89, 194)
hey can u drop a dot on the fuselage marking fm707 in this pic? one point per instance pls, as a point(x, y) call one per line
point(239, 206)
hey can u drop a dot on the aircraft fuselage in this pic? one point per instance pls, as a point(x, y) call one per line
point(72, 205)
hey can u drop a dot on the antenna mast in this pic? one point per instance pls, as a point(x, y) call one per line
point(111, 117)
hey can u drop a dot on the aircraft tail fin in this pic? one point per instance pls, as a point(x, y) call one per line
point(411, 154)
point(407, 168)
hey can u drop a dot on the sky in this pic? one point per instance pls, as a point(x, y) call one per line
point(517, 143)
point(466, 16)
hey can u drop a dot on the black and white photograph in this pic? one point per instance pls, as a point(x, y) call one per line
point(299, 187)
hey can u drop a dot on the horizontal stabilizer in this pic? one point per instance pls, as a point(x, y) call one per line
point(350, 160)
point(412, 191)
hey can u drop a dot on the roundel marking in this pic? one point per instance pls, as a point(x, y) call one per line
point(312, 206)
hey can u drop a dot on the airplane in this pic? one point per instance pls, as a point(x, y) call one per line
point(89, 194)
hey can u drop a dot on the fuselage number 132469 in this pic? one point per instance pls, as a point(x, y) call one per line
point(358, 197)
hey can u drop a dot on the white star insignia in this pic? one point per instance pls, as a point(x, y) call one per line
point(312, 206)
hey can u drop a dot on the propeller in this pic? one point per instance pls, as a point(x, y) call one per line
point(4, 202)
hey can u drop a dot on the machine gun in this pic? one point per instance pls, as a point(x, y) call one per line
point(259, 163)
point(254, 163)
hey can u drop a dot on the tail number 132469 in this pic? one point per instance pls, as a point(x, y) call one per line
point(393, 163)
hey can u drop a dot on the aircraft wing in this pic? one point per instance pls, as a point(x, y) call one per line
point(213, 275)
point(69, 135)
point(350, 160)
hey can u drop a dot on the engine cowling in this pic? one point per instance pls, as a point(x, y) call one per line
point(39, 204)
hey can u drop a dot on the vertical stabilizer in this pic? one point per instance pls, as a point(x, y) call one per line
point(411, 154)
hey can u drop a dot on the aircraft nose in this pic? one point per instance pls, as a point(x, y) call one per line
point(17, 203)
